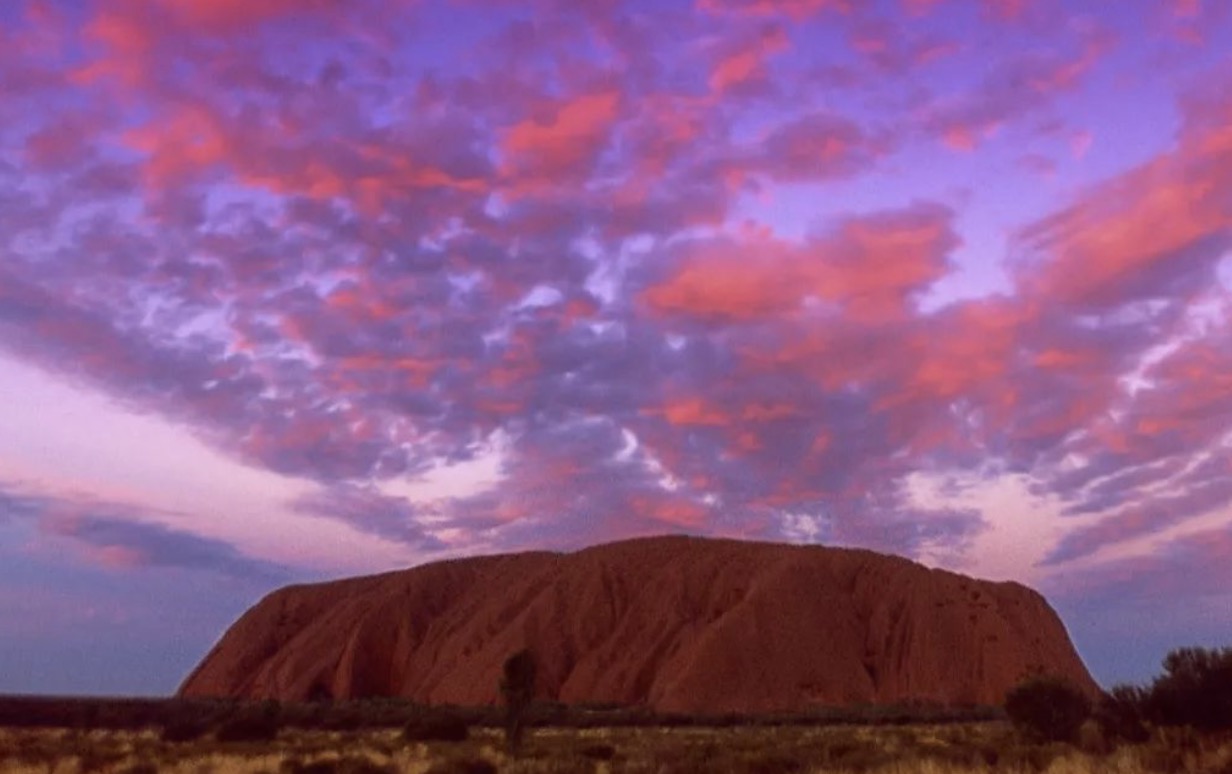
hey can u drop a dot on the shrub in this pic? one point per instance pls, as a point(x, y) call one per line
point(1172, 751)
point(1195, 690)
point(1093, 741)
point(1048, 709)
point(436, 728)
point(599, 751)
point(251, 726)
point(1120, 714)
point(184, 730)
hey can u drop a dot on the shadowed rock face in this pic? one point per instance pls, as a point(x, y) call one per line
point(679, 624)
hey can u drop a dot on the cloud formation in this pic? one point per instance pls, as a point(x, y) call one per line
point(122, 537)
point(717, 266)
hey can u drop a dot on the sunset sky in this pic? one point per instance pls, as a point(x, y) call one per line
point(297, 289)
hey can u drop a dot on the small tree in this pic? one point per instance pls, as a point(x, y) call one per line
point(1048, 709)
point(517, 686)
point(1195, 690)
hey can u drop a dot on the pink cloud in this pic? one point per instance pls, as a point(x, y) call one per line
point(1080, 143)
point(796, 9)
point(870, 266)
point(123, 536)
point(1137, 520)
point(229, 14)
point(692, 411)
point(1195, 565)
point(127, 39)
point(1037, 164)
point(1009, 10)
point(181, 144)
point(119, 557)
point(745, 66)
point(734, 281)
point(1014, 90)
point(1134, 235)
point(1187, 390)
point(63, 145)
point(565, 145)
point(879, 261)
point(920, 7)
point(897, 48)
point(817, 147)
point(1187, 8)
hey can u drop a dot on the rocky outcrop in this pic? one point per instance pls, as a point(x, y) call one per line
point(678, 624)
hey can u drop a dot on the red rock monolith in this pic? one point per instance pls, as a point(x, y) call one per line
point(677, 624)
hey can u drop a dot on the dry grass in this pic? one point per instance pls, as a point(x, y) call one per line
point(978, 748)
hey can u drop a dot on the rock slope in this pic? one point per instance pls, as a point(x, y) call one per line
point(679, 624)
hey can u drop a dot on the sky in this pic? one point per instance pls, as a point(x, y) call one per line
point(298, 289)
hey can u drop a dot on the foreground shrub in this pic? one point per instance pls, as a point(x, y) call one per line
point(1195, 690)
point(436, 728)
point(1174, 751)
point(599, 751)
point(253, 726)
point(184, 730)
point(1120, 714)
point(1048, 709)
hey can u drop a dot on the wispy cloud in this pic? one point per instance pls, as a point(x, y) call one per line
point(123, 537)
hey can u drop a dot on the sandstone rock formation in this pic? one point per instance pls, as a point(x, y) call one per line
point(679, 624)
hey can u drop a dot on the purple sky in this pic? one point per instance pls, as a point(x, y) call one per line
point(294, 289)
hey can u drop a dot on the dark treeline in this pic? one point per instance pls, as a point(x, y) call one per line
point(138, 713)
point(1194, 692)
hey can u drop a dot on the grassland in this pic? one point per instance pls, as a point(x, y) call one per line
point(950, 748)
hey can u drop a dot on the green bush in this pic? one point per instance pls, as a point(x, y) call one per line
point(1195, 690)
point(1048, 709)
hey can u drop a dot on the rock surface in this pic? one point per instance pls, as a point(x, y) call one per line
point(679, 624)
